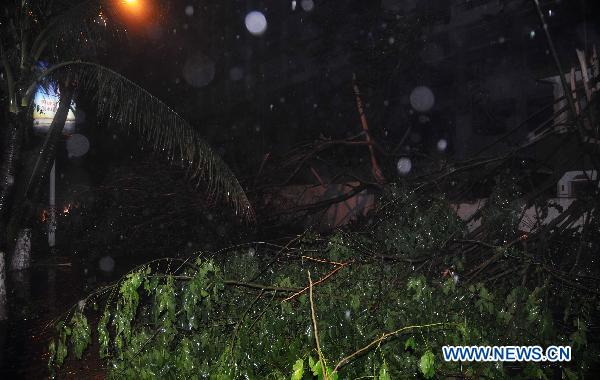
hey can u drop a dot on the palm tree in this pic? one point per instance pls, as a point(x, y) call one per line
point(62, 32)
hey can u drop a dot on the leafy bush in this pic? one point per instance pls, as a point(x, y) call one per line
point(376, 303)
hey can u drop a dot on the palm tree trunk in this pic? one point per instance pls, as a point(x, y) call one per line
point(11, 152)
point(31, 183)
point(3, 300)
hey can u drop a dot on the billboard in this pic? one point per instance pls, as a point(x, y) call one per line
point(45, 104)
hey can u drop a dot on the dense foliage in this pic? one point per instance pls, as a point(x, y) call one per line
point(378, 301)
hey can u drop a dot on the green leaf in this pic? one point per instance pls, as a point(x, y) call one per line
point(298, 370)
point(410, 343)
point(80, 336)
point(384, 374)
point(312, 364)
point(427, 364)
point(354, 302)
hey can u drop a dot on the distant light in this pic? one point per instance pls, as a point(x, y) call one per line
point(189, 10)
point(135, 8)
point(550, 12)
point(131, 3)
point(293, 5)
point(404, 165)
point(532, 34)
point(256, 23)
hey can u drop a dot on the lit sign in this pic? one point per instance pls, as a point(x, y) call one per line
point(45, 105)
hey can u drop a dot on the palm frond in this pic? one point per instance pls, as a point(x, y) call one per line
point(126, 104)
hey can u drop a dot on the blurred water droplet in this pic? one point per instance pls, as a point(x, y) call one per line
point(256, 23)
point(189, 10)
point(404, 165)
point(422, 99)
point(236, 73)
point(106, 264)
point(307, 5)
point(77, 145)
point(198, 70)
point(442, 144)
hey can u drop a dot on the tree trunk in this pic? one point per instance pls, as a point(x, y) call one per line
point(11, 152)
point(3, 303)
point(22, 254)
point(31, 183)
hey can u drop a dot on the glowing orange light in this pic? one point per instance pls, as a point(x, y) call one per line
point(135, 9)
point(134, 6)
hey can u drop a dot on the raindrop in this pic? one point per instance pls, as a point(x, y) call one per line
point(307, 5)
point(77, 145)
point(422, 99)
point(106, 264)
point(391, 40)
point(532, 34)
point(404, 165)
point(256, 23)
point(10, 180)
point(236, 73)
point(293, 5)
point(189, 10)
point(198, 70)
point(442, 145)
